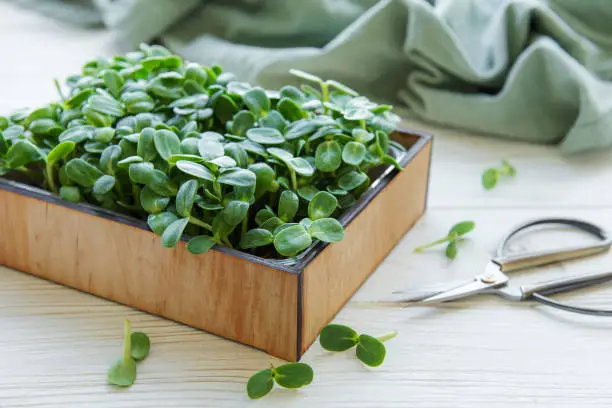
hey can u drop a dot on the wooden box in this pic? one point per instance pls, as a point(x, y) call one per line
point(278, 306)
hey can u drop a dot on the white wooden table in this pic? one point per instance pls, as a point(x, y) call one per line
point(56, 343)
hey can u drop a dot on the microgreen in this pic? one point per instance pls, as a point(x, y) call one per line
point(289, 375)
point(454, 235)
point(201, 156)
point(135, 348)
point(491, 176)
point(370, 350)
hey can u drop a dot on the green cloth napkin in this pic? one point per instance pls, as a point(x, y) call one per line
point(534, 71)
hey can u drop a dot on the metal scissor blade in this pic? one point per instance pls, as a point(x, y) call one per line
point(460, 292)
point(492, 278)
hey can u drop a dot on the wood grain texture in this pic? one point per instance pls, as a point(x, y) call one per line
point(56, 343)
point(215, 291)
point(333, 277)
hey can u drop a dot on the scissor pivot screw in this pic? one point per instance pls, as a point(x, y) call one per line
point(489, 278)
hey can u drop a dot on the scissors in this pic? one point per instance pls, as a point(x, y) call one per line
point(494, 279)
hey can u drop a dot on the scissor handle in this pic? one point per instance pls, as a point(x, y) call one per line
point(510, 263)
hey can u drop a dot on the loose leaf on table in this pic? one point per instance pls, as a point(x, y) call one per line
point(337, 337)
point(491, 176)
point(123, 372)
point(454, 234)
point(141, 345)
point(370, 350)
point(289, 375)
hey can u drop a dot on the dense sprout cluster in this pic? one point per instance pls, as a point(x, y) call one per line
point(197, 153)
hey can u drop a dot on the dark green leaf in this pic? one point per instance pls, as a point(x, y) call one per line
point(186, 197)
point(125, 163)
point(146, 144)
point(307, 192)
point(293, 375)
point(77, 134)
point(290, 110)
point(22, 153)
point(300, 129)
point(337, 337)
point(288, 205)
point(352, 180)
point(237, 177)
point(152, 202)
point(173, 232)
point(210, 149)
point(326, 230)
point(104, 135)
point(225, 108)
point(82, 173)
point(220, 162)
point(45, 127)
point(292, 240)
point(271, 224)
point(113, 81)
point(301, 166)
point(234, 212)
point(105, 105)
point(265, 136)
point(95, 147)
point(237, 153)
point(242, 122)
point(200, 244)
point(353, 153)
point(140, 346)
point(195, 170)
point(159, 222)
point(322, 205)
point(257, 101)
point(70, 193)
point(260, 384)
point(166, 143)
point(328, 156)
point(256, 238)
point(273, 120)
point(141, 173)
point(104, 184)
point(370, 350)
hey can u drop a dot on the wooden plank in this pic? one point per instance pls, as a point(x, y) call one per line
point(223, 294)
point(332, 278)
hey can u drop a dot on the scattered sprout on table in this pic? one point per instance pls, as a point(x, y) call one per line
point(454, 235)
point(370, 350)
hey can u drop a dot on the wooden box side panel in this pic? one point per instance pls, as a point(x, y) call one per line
point(335, 275)
point(237, 299)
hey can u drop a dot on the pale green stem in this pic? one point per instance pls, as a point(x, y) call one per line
point(293, 179)
point(440, 241)
point(217, 188)
point(387, 336)
point(245, 222)
point(200, 223)
point(127, 342)
point(324, 95)
point(50, 178)
point(363, 123)
point(59, 90)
